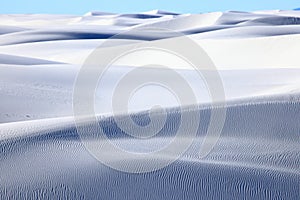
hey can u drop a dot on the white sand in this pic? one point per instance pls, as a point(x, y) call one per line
point(257, 156)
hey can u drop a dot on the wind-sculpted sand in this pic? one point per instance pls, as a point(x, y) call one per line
point(43, 153)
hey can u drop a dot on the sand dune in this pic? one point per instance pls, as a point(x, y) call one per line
point(256, 157)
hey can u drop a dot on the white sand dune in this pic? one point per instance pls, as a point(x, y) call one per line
point(256, 157)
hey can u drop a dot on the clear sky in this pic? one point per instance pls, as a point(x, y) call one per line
point(131, 6)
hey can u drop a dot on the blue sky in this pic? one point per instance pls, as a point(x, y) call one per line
point(130, 6)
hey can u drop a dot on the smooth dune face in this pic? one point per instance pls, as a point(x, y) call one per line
point(257, 156)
